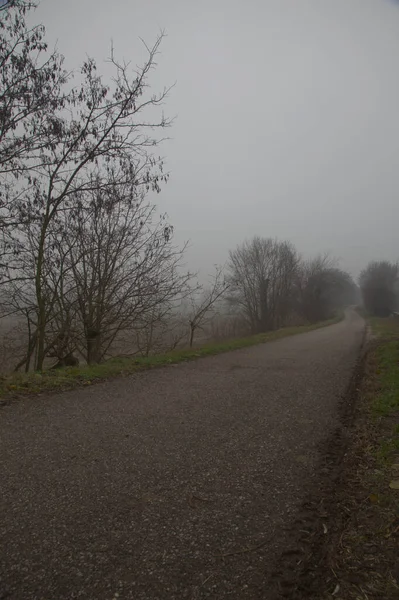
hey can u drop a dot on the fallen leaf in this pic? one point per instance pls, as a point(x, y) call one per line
point(336, 590)
point(374, 498)
point(394, 485)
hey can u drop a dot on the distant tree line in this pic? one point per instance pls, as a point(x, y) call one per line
point(88, 267)
point(379, 283)
point(273, 286)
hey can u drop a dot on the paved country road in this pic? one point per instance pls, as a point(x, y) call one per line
point(177, 483)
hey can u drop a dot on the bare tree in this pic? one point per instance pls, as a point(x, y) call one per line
point(162, 331)
point(18, 299)
point(84, 259)
point(31, 80)
point(379, 283)
point(7, 4)
point(112, 270)
point(262, 274)
point(124, 268)
point(203, 301)
point(99, 131)
point(323, 288)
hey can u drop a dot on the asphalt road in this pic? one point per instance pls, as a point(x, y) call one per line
point(173, 484)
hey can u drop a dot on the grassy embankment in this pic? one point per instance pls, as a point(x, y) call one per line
point(18, 384)
point(384, 379)
point(364, 558)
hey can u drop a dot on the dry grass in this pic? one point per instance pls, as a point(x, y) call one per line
point(364, 555)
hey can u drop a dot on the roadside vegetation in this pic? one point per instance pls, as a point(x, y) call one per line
point(385, 376)
point(18, 384)
point(363, 558)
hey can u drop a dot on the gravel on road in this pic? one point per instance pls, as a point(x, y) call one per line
point(176, 483)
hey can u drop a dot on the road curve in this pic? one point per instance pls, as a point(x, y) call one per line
point(176, 483)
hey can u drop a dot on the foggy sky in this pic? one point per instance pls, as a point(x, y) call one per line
point(287, 116)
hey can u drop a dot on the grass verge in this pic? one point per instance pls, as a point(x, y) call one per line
point(364, 558)
point(385, 399)
point(18, 384)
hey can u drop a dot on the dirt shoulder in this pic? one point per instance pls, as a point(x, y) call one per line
point(347, 542)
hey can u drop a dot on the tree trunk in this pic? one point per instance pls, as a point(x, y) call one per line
point(93, 340)
point(41, 306)
point(192, 331)
point(264, 308)
point(31, 348)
